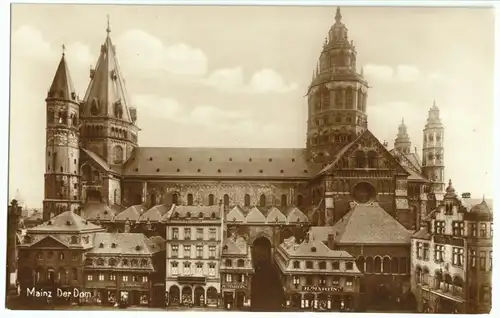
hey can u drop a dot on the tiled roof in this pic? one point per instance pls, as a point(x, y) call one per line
point(192, 211)
point(231, 247)
point(220, 163)
point(311, 248)
point(154, 214)
point(411, 164)
point(66, 222)
point(481, 208)
point(236, 214)
point(62, 85)
point(415, 160)
point(35, 217)
point(422, 234)
point(255, 215)
point(266, 215)
point(469, 203)
point(99, 161)
point(321, 233)
point(370, 224)
point(107, 86)
point(98, 210)
point(124, 243)
point(156, 244)
point(131, 213)
point(274, 215)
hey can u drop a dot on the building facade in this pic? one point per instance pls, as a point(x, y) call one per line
point(193, 253)
point(317, 277)
point(452, 257)
point(236, 270)
point(119, 268)
point(97, 169)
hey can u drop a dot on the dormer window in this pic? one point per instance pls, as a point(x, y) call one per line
point(199, 170)
point(113, 75)
point(101, 245)
point(138, 248)
point(261, 171)
point(281, 171)
point(209, 159)
point(293, 159)
point(218, 170)
point(176, 214)
point(313, 249)
point(150, 158)
point(188, 215)
point(113, 245)
point(250, 159)
point(200, 215)
point(190, 159)
point(213, 215)
point(270, 159)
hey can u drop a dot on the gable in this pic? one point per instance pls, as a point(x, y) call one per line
point(295, 215)
point(255, 216)
point(236, 215)
point(371, 153)
point(275, 215)
point(49, 242)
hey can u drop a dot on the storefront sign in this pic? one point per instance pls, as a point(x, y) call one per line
point(234, 286)
point(322, 288)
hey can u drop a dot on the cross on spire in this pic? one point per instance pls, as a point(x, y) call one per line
point(108, 29)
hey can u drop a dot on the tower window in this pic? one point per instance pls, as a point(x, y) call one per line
point(62, 170)
point(74, 161)
point(348, 98)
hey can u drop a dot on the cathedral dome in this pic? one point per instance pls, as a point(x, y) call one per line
point(481, 208)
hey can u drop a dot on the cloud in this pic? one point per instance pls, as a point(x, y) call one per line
point(147, 54)
point(436, 76)
point(232, 80)
point(28, 42)
point(380, 72)
point(402, 73)
point(167, 108)
point(407, 73)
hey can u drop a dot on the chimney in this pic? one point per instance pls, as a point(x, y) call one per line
point(331, 241)
point(466, 195)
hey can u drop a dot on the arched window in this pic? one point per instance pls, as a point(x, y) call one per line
point(210, 199)
point(299, 200)
point(262, 201)
point(226, 200)
point(377, 264)
point(50, 117)
point(247, 199)
point(361, 263)
point(153, 199)
point(386, 265)
point(395, 265)
point(360, 99)
point(190, 199)
point(241, 263)
point(229, 263)
point(349, 98)
point(118, 154)
point(338, 99)
point(372, 159)
point(325, 98)
point(175, 198)
point(360, 159)
point(283, 200)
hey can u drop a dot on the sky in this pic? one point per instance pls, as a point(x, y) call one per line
point(237, 76)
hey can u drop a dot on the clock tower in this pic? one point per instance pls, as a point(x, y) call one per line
point(62, 174)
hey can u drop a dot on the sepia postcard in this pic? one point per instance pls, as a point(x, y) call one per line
point(250, 158)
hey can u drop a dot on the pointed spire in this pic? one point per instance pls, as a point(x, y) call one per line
point(106, 93)
point(62, 86)
point(338, 15)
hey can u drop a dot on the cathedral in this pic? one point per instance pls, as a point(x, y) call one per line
point(94, 159)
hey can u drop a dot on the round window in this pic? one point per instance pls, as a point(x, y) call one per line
point(363, 192)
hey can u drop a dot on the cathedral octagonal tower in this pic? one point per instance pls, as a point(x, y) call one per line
point(402, 142)
point(62, 153)
point(336, 97)
point(433, 153)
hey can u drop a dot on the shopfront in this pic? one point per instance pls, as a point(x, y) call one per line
point(322, 298)
point(235, 295)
